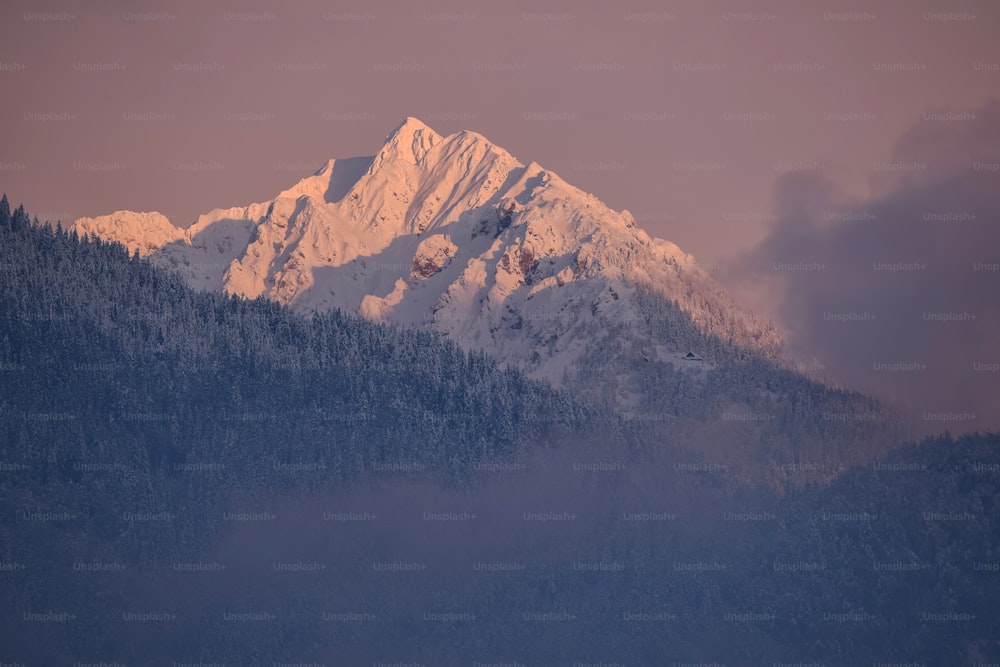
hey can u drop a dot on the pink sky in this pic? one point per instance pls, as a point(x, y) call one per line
point(686, 113)
point(182, 107)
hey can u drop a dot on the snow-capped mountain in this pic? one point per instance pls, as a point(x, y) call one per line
point(455, 235)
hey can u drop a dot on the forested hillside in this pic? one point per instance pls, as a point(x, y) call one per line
point(126, 391)
point(187, 477)
point(108, 348)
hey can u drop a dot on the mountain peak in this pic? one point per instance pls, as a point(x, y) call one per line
point(411, 124)
point(409, 141)
point(454, 235)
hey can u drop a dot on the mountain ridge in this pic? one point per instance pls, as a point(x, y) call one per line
point(452, 234)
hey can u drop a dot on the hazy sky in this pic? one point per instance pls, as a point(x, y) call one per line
point(897, 293)
point(686, 113)
point(683, 112)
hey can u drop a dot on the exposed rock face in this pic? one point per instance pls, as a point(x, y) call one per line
point(432, 255)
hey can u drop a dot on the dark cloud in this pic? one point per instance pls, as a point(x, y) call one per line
point(899, 294)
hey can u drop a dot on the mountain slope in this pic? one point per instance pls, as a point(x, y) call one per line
point(454, 235)
point(106, 359)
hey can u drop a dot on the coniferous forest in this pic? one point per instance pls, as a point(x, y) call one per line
point(193, 478)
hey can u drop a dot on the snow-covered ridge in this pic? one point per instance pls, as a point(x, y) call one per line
point(145, 232)
point(455, 235)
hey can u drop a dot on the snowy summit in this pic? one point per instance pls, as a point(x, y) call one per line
point(455, 235)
